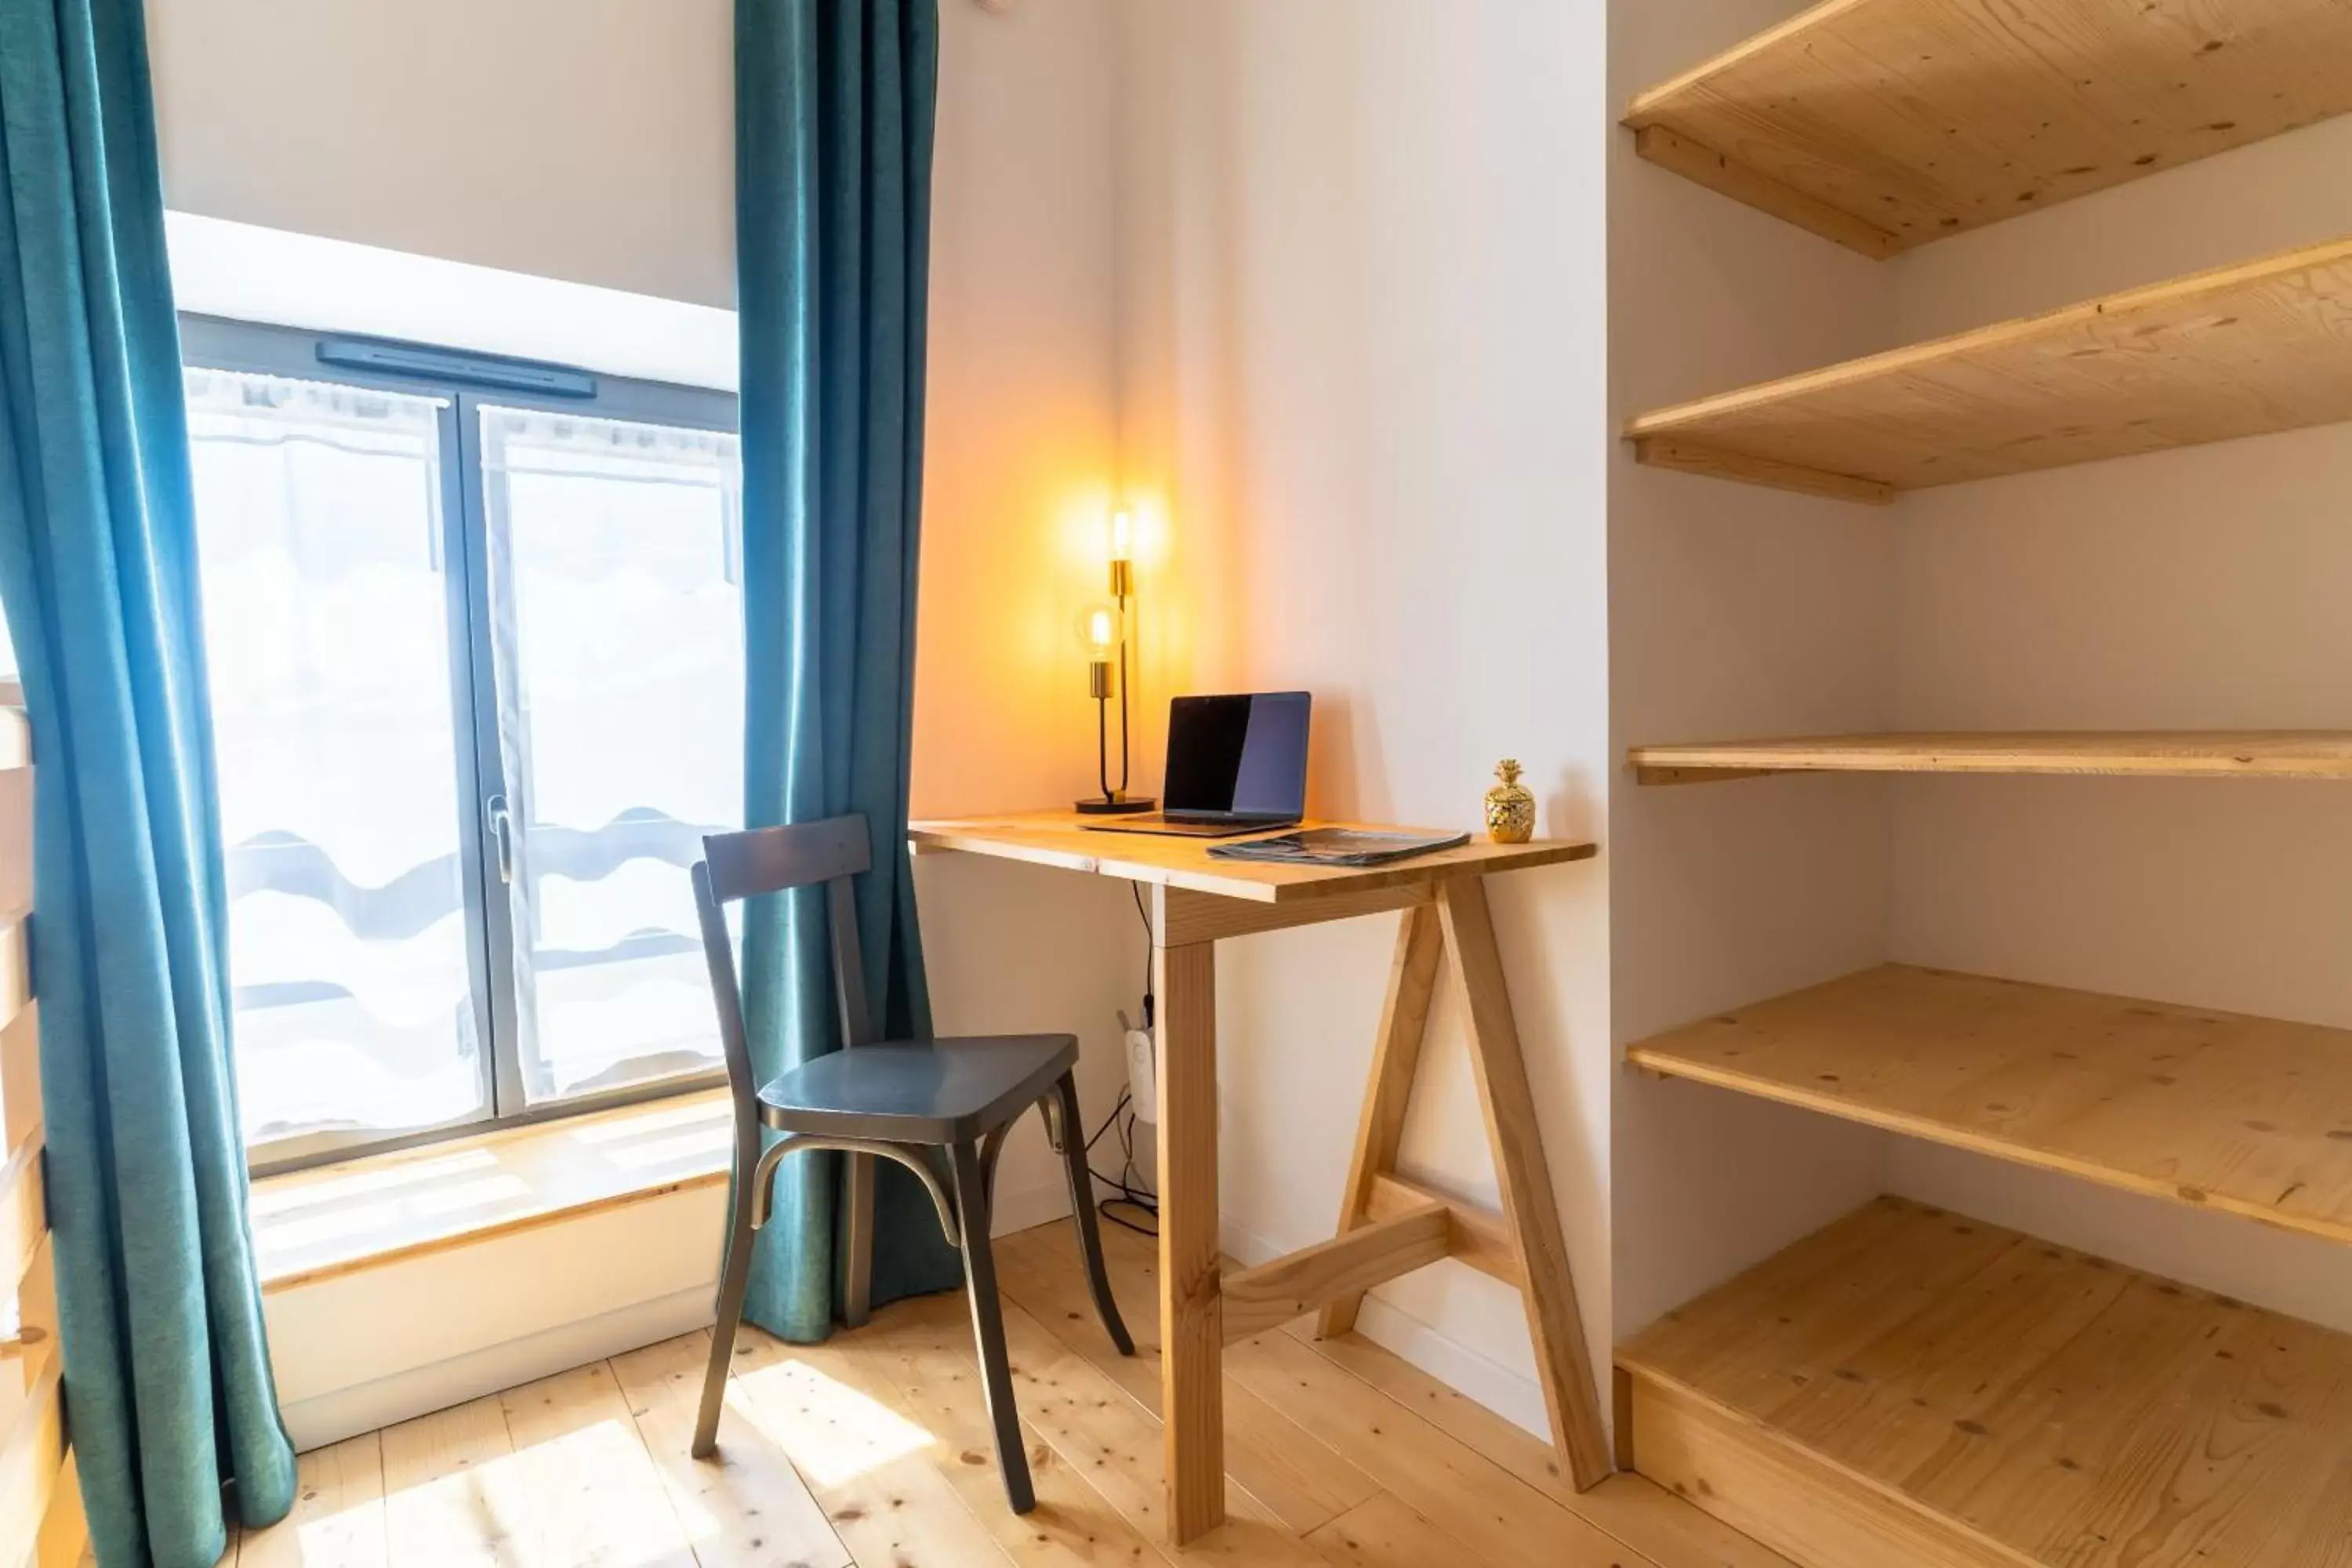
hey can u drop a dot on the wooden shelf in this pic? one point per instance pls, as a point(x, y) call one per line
point(1910, 1386)
point(1884, 125)
point(2247, 350)
point(2172, 754)
point(2250, 1116)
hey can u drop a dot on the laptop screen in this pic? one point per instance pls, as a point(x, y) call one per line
point(1242, 756)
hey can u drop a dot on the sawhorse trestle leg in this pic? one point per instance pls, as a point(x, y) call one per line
point(1389, 1226)
point(1523, 1245)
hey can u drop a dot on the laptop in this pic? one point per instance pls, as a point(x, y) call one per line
point(1236, 764)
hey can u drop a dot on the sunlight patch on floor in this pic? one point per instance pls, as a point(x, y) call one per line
point(833, 1433)
point(352, 1535)
point(599, 1501)
point(478, 1514)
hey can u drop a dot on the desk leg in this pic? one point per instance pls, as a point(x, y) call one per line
point(1191, 1309)
point(1396, 1054)
point(1528, 1204)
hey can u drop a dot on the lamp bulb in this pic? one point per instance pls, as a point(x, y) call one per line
point(1122, 536)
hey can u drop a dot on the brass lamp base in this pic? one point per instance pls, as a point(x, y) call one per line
point(1116, 805)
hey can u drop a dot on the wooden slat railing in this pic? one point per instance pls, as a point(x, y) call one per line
point(41, 1523)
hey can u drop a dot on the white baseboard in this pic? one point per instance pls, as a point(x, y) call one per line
point(347, 1412)
point(1030, 1207)
point(1509, 1393)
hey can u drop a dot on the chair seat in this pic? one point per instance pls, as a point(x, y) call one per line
point(917, 1092)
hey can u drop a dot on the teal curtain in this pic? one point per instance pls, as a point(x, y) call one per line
point(834, 110)
point(167, 1376)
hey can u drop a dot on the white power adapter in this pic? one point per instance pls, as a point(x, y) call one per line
point(1142, 1073)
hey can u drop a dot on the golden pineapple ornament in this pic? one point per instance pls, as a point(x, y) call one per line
point(1510, 806)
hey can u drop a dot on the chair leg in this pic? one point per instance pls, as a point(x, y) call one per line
point(988, 1326)
point(1073, 1140)
point(991, 1147)
point(857, 1272)
point(734, 1279)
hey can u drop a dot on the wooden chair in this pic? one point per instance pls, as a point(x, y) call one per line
point(920, 1102)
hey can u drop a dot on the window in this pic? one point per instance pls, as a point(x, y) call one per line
point(475, 639)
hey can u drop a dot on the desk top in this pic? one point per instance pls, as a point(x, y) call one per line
point(1055, 838)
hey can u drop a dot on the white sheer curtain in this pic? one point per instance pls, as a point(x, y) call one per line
point(614, 553)
point(320, 525)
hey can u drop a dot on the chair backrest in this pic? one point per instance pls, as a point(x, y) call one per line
point(737, 865)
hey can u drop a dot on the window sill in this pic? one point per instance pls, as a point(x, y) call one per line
point(333, 1220)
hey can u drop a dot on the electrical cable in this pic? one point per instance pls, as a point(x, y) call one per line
point(1132, 1194)
point(1149, 1002)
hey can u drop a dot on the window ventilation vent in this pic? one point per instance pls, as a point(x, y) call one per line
point(476, 370)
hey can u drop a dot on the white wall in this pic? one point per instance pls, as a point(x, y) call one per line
point(1733, 611)
point(2202, 588)
point(1020, 451)
point(1362, 344)
point(591, 140)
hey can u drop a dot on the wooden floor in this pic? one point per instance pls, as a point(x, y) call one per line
point(873, 1449)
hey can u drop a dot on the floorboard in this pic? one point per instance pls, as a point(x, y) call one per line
point(747, 1508)
point(872, 1451)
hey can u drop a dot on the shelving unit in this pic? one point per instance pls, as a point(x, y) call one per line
point(2245, 1115)
point(2248, 350)
point(1911, 1387)
point(1907, 1386)
point(1885, 124)
point(2148, 753)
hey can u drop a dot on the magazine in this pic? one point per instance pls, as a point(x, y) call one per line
point(1338, 846)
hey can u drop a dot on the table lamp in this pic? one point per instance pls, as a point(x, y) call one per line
point(1102, 629)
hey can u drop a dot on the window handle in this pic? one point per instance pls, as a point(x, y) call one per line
point(501, 825)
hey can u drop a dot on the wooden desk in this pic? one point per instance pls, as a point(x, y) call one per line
point(1388, 1226)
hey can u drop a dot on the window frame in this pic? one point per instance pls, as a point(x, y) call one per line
point(212, 342)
